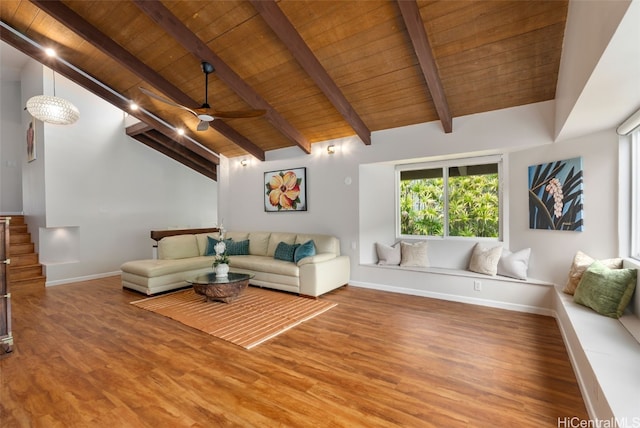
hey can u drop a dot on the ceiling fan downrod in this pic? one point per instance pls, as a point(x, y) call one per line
point(207, 69)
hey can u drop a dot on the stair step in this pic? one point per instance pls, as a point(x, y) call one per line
point(39, 280)
point(15, 219)
point(18, 228)
point(16, 249)
point(22, 272)
point(24, 259)
point(25, 268)
point(20, 238)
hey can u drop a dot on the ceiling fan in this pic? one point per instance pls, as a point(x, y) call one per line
point(205, 113)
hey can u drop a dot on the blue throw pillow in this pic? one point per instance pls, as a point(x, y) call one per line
point(211, 244)
point(285, 251)
point(305, 250)
point(239, 248)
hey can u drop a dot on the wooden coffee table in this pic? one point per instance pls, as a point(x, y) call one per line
point(222, 289)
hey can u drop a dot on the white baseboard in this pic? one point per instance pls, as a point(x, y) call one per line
point(456, 298)
point(81, 278)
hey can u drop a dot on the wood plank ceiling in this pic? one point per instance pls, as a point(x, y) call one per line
point(320, 69)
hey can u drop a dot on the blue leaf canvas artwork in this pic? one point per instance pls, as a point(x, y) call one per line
point(555, 195)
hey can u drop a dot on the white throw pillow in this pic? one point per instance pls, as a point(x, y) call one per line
point(485, 260)
point(581, 262)
point(414, 254)
point(514, 265)
point(388, 254)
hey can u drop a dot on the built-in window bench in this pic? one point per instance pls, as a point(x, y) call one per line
point(530, 295)
point(606, 360)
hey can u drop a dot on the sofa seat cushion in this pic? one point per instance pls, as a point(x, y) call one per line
point(264, 264)
point(155, 267)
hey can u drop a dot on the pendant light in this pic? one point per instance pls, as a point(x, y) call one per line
point(52, 109)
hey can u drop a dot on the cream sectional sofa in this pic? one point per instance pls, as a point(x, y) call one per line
point(182, 257)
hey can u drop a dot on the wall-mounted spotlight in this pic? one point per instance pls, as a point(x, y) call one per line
point(331, 149)
point(244, 162)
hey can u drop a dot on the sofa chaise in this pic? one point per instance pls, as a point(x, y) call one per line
point(183, 256)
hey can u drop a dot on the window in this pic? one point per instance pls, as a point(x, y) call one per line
point(635, 195)
point(460, 198)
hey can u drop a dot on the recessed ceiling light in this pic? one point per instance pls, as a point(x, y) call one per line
point(50, 52)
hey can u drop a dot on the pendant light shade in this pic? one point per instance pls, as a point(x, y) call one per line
point(52, 110)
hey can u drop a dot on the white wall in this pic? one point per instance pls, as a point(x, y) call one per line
point(332, 204)
point(12, 148)
point(553, 251)
point(33, 184)
point(598, 77)
point(93, 194)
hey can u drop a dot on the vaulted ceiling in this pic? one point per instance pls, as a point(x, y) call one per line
point(320, 69)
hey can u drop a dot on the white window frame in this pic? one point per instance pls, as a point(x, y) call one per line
point(446, 164)
point(635, 195)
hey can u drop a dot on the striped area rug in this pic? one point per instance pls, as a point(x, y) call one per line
point(255, 316)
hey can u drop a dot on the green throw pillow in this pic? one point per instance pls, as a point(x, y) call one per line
point(238, 248)
point(606, 291)
point(285, 251)
point(305, 250)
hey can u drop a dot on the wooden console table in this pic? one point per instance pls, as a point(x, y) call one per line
point(157, 235)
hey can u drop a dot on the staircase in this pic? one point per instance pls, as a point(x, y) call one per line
point(25, 267)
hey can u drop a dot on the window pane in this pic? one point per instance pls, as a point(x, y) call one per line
point(421, 202)
point(473, 201)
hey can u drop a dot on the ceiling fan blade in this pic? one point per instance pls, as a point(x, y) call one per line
point(166, 100)
point(203, 125)
point(237, 114)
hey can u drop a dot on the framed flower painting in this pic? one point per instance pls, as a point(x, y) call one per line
point(555, 195)
point(285, 190)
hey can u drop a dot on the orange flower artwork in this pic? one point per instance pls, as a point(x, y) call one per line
point(285, 190)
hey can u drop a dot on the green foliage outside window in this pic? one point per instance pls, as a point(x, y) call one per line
point(473, 206)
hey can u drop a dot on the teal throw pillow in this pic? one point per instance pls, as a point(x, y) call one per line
point(305, 250)
point(211, 243)
point(285, 251)
point(606, 291)
point(238, 248)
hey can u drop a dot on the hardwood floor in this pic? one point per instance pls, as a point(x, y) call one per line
point(85, 357)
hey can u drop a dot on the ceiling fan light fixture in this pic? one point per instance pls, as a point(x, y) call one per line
point(202, 126)
point(54, 110)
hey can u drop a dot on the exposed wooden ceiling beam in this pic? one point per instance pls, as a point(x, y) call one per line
point(78, 25)
point(173, 26)
point(419, 39)
point(280, 24)
point(72, 74)
point(149, 136)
